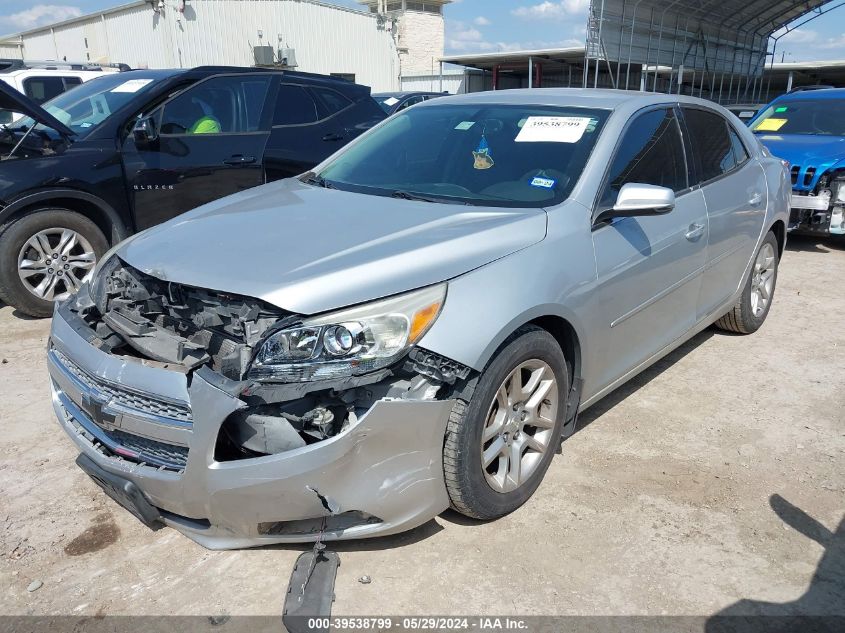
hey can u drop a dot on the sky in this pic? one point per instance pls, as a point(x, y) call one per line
point(481, 25)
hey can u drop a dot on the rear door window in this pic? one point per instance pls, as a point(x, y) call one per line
point(294, 106)
point(330, 102)
point(651, 152)
point(740, 153)
point(41, 89)
point(710, 143)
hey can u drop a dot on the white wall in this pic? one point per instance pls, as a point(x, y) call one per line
point(327, 39)
point(453, 82)
point(423, 34)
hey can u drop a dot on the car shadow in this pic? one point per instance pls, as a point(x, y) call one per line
point(815, 244)
point(636, 383)
point(822, 606)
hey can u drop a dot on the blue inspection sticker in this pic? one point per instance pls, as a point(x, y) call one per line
point(544, 183)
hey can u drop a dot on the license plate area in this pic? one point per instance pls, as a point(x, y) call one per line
point(123, 491)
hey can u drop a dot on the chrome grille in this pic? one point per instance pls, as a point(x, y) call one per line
point(133, 400)
point(124, 446)
point(169, 453)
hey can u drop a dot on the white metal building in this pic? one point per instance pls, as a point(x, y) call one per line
point(326, 39)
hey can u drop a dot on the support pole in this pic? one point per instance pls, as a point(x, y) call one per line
point(789, 82)
point(441, 75)
point(530, 72)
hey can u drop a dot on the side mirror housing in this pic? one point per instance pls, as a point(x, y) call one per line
point(145, 130)
point(637, 199)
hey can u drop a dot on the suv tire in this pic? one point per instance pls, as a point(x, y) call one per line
point(76, 241)
point(754, 303)
point(496, 424)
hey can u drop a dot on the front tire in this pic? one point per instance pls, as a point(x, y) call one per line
point(43, 257)
point(499, 446)
point(754, 303)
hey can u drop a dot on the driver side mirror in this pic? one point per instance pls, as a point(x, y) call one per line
point(145, 130)
point(637, 199)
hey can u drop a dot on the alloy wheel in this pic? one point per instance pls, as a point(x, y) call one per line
point(53, 262)
point(519, 425)
point(762, 279)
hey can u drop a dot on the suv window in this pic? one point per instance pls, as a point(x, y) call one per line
point(294, 106)
point(651, 153)
point(330, 101)
point(709, 143)
point(41, 89)
point(220, 105)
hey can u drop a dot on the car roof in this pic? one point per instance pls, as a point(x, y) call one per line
point(823, 93)
point(572, 97)
point(406, 93)
point(55, 72)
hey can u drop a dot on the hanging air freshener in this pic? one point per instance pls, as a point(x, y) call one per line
point(482, 155)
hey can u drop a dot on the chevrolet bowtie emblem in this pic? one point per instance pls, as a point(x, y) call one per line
point(99, 412)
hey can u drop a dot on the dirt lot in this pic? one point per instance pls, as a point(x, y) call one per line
point(717, 476)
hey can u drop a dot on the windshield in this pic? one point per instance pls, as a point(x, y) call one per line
point(491, 155)
point(386, 101)
point(825, 117)
point(83, 108)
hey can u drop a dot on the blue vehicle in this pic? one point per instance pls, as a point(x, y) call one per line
point(807, 129)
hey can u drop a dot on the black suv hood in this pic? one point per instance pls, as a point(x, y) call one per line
point(11, 99)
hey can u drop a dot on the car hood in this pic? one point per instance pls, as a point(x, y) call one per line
point(307, 250)
point(11, 99)
point(806, 151)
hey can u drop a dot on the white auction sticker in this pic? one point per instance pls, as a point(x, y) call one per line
point(553, 129)
point(133, 85)
point(391, 102)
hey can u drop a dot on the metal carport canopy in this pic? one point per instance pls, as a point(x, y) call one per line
point(714, 36)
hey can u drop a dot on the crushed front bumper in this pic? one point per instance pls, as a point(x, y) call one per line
point(816, 214)
point(158, 428)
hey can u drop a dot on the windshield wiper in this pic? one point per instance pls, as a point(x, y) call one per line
point(407, 195)
point(318, 181)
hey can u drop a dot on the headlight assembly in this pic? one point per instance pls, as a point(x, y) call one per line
point(349, 342)
point(98, 279)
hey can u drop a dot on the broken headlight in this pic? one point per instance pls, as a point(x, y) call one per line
point(349, 342)
point(98, 279)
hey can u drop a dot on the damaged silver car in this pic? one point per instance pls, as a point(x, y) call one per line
point(416, 323)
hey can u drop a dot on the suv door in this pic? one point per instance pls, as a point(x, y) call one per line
point(210, 142)
point(735, 191)
point(648, 268)
point(309, 125)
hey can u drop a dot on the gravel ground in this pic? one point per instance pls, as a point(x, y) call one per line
point(714, 481)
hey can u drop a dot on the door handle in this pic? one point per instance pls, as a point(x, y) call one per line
point(333, 136)
point(756, 199)
point(695, 231)
point(238, 159)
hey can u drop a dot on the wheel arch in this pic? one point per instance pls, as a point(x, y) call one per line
point(86, 204)
point(564, 329)
point(779, 229)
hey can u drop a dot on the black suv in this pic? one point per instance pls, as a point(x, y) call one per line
point(127, 151)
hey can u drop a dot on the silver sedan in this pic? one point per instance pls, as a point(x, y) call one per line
point(417, 323)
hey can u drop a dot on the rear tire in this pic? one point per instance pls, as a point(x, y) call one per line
point(754, 303)
point(46, 251)
point(496, 427)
